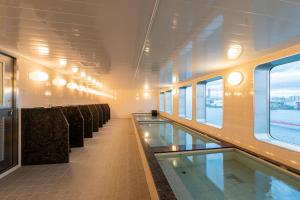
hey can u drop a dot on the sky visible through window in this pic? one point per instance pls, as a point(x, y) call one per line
point(285, 102)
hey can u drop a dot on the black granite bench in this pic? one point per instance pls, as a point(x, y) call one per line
point(95, 115)
point(45, 136)
point(100, 114)
point(76, 125)
point(88, 121)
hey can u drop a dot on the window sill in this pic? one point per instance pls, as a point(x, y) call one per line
point(264, 137)
point(202, 121)
point(184, 117)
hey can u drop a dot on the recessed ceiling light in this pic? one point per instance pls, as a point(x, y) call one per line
point(38, 76)
point(234, 51)
point(43, 50)
point(146, 86)
point(63, 61)
point(235, 78)
point(75, 69)
point(89, 78)
point(94, 81)
point(72, 85)
point(59, 82)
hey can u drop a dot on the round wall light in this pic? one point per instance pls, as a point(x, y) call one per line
point(235, 78)
point(174, 91)
point(59, 82)
point(38, 76)
point(234, 51)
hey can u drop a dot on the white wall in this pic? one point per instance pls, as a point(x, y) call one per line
point(32, 93)
point(128, 102)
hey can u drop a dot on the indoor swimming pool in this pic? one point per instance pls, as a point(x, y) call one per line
point(175, 137)
point(227, 174)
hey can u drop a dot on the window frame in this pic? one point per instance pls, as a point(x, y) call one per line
point(184, 116)
point(203, 85)
point(262, 124)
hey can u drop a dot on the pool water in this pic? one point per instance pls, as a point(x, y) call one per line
point(226, 174)
point(167, 134)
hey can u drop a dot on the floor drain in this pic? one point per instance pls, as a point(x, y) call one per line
point(183, 172)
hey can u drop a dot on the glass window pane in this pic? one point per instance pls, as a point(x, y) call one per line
point(189, 102)
point(285, 102)
point(214, 102)
point(200, 99)
point(169, 102)
point(185, 102)
point(181, 102)
point(162, 102)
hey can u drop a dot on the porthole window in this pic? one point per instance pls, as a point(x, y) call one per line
point(277, 102)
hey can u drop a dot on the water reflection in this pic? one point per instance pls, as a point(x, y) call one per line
point(229, 175)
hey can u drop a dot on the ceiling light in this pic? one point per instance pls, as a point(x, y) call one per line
point(234, 51)
point(43, 50)
point(59, 82)
point(38, 76)
point(89, 78)
point(72, 86)
point(235, 78)
point(83, 74)
point(94, 81)
point(62, 61)
point(75, 69)
point(146, 86)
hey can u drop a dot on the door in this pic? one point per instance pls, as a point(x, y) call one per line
point(8, 114)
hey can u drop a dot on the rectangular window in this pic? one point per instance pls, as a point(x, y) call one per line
point(162, 101)
point(277, 102)
point(209, 101)
point(185, 102)
point(169, 102)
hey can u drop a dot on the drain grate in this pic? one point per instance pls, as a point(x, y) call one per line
point(234, 178)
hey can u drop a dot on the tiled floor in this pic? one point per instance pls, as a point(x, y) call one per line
point(108, 167)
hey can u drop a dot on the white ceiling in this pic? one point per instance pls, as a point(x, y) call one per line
point(105, 37)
